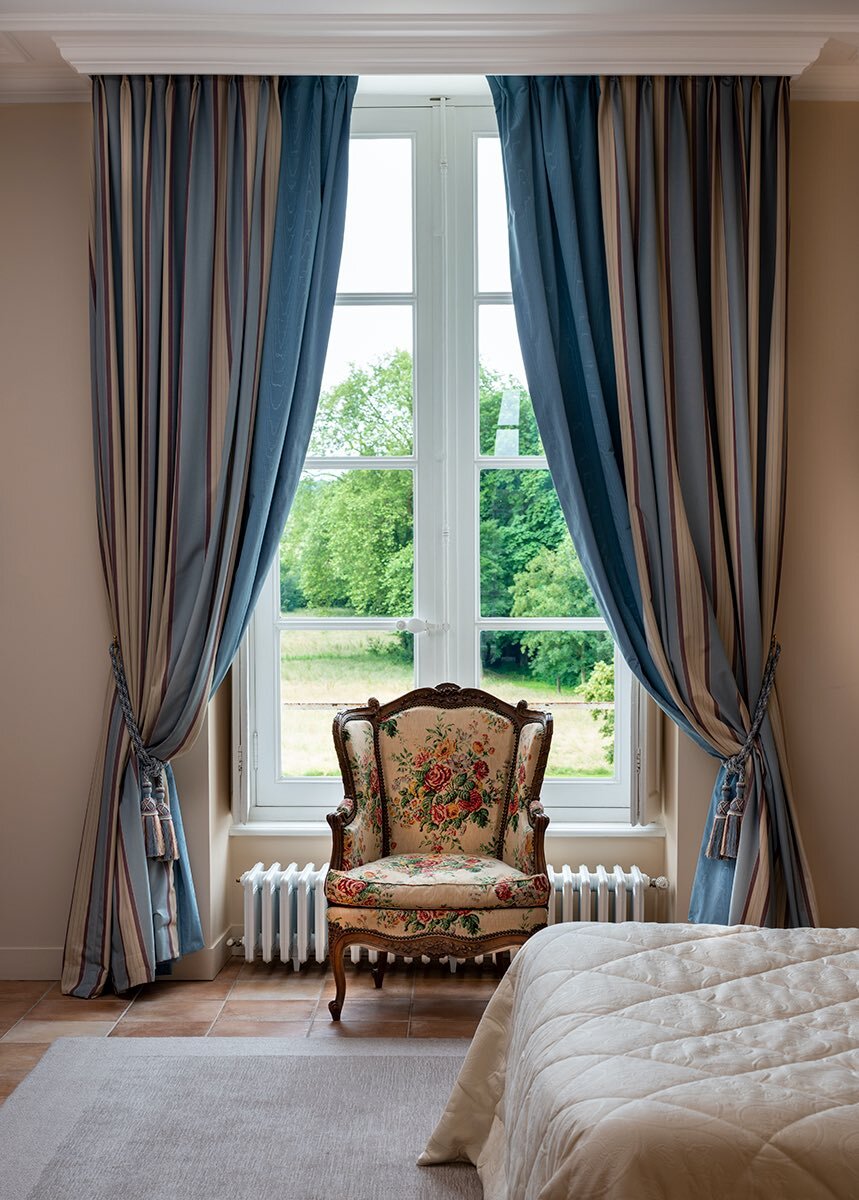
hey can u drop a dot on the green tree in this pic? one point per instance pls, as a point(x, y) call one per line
point(553, 584)
point(599, 689)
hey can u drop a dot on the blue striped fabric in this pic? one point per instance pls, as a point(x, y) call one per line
point(648, 236)
point(219, 206)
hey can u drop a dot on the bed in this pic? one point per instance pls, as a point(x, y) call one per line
point(654, 1062)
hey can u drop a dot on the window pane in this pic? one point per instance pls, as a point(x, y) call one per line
point(348, 545)
point(507, 424)
point(377, 245)
point(569, 674)
point(365, 407)
point(528, 567)
point(323, 671)
point(493, 254)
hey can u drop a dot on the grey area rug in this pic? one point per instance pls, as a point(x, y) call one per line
point(229, 1119)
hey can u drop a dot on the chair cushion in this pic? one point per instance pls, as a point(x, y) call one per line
point(446, 776)
point(436, 881)
point(408, 923)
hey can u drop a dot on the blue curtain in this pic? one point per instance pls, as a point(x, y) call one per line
point(219, 207)
point(648, 236)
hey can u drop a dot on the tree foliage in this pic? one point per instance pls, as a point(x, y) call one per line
point(348, 545)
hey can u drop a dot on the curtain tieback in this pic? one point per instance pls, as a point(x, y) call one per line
point(725, 835)
point(159, 833)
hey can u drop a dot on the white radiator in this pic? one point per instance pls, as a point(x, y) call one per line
point(284, 908)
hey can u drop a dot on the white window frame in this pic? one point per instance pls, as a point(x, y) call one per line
point(446, 463)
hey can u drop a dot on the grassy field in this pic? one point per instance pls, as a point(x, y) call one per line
point(323, 671)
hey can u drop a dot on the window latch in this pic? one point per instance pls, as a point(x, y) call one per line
point(416, 625)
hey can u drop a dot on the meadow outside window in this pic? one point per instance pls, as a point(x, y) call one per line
point(426, 541)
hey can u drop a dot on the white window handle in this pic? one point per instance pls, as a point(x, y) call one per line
point(416, 625)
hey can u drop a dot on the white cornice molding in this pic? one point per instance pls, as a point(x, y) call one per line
point(827, 83)
point(43, 85)
point(449, 43)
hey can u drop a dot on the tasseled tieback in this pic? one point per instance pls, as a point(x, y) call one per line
point(159, 833)
point(725, 835)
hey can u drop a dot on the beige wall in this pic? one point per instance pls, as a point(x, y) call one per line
point(54, 667)
point(52, 616)
point(819, 613)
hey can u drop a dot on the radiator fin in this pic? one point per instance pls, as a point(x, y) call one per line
point(284, 909)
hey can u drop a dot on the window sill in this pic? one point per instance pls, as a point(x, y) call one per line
point(298, 829)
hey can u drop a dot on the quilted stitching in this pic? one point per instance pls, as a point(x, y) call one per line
point(666, 1061)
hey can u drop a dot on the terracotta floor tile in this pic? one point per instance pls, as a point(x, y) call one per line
point(174, 1007)
point(24, 989)
point(177, 1028)
point(323, 1026)
point(449, 1007)
point(239, 1027)
point(278, 970)
point(13, 1010)
point(288, 988)
point(16, 1062)
point(372, 1008)
point(440, 1027)
point(56, 1007)
point(270, 1010)
point(47, 1031)
point(192, 989)
point(362, 981)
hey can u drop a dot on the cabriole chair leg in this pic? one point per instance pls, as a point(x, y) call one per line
point(378, 971)
point(336, 950)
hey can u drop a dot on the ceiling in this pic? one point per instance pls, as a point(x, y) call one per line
point(413, 47)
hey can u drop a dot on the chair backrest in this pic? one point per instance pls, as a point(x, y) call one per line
point(448, 765)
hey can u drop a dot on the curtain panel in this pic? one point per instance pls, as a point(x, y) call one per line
point(218, 214)
point(648, 236)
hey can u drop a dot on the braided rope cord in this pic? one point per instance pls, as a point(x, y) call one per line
point(151, 768)
point(735, 766)
point(725, 836)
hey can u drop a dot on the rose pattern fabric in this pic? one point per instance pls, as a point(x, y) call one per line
point(441, 881)
point(362, 837)
point(518, 836)
point(445, 778)
point(461, 923)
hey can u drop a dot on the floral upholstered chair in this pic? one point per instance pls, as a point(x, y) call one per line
point(438, 845)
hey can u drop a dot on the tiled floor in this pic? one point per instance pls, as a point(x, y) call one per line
point(246, 1000)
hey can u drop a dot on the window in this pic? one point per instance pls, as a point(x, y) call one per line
point(426, 541)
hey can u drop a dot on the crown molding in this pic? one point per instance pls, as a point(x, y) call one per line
point(43, 85)
point(827, 83)
point(404, 43)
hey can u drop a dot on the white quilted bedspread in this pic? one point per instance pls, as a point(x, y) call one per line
point(654, 1062)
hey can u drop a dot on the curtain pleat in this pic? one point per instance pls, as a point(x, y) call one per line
point(648, 234)
point(218, 213)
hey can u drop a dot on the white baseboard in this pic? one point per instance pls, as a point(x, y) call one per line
point(31, 962)
point(46, 962)
point(205, 963)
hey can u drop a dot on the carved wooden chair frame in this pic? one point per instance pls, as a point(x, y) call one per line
point(446, 697)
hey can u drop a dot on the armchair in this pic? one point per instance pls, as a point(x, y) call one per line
point(439, 843)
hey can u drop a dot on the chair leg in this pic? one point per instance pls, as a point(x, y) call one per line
point(378, 971)
point(336, 950)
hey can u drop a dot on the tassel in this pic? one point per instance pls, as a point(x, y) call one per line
point(731, 836)
point(169, 845)
point(153, 837)
point(714, 845)
point(716, 840)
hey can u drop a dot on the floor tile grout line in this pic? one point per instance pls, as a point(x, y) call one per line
point(24, 1015)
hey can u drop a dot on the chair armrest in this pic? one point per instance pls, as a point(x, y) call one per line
point(356, 833)
point(539, 822)
point(338, 820)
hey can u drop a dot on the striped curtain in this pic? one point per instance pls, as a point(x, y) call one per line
point(648, 233)
point(218, 213)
